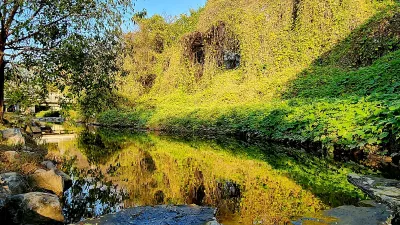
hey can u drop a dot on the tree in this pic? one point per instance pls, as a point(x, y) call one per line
point(32, 31)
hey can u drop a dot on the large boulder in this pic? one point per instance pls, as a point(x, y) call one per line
point(13, 136)
point(52, 180)
point(158, 215)
point(34, 208)
point(13, 183)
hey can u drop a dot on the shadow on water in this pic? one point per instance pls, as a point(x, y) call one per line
point(247, 182)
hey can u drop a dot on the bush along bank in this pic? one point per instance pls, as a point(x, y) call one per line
point(359, 115)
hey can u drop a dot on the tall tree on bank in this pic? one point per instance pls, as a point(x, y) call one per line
point(32, 33)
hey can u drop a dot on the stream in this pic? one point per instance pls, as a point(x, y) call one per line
point(248, 183)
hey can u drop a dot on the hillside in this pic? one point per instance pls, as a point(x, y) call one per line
point(308, 72)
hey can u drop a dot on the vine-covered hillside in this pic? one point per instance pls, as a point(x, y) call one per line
point(324, 72)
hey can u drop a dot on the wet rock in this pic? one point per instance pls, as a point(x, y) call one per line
point(11, 156)
point(374, 214)
point(34, 208)
point(49, 165)
point(13, 183)
point(50, 180)
point(383, 190)
point(158, 215)
point(13, 136)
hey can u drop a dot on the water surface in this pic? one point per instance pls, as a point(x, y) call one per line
point(249, 183)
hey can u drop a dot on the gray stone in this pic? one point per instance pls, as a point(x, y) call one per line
point(11, 156)
point(13, 136)
point(14, 183)
point(49, 165)
point(34, 208)
point(383, 190)
point(158, 215)
point(375, 214)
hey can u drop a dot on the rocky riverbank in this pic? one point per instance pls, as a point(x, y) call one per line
point(30, 189)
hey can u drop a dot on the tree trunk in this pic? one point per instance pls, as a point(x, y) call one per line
point(2, 72)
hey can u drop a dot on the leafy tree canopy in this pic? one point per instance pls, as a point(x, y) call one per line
point(72, 43)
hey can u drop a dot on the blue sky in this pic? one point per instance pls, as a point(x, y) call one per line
point(164, 7)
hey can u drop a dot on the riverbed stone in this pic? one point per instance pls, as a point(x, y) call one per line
point(11, 156)
point(13, 183)
point(373, 214)
point(13, 136)
point(383, 190)
point(158, 215)
point(48, 180)
point(34, 208)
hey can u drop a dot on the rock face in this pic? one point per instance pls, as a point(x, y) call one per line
point(13, 183)
point(158, 215)
point(383, 190)
point(34, 208)
point(52, 180)
point(13, 136)
point(374, 214)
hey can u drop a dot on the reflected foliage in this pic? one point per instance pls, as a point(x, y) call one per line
point(247, 182)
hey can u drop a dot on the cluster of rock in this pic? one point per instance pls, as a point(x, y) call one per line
point(33, 199)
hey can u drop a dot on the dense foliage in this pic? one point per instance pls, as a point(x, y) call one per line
point(322, 72)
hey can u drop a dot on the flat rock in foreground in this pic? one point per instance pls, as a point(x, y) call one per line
point(383, 190)
point(158, 215)
point(372, 213)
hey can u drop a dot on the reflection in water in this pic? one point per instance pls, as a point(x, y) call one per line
point(90, 196)
point(264, 184)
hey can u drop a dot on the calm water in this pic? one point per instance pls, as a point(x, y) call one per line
point(249, 183)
